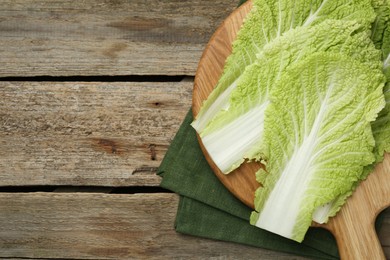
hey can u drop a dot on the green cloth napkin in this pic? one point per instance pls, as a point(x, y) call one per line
point(207, 209)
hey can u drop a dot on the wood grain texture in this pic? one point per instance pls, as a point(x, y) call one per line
point(353, 227)
point(106, 37)
point(105, 226)
point(72, 133)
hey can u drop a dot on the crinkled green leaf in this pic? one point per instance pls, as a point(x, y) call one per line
point(381, 38)
point(235, 133)
point(318, 139)
point(380, 31)
point(268, 20)
point(381, 126)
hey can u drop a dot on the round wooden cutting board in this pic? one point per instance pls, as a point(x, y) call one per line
point(353, 226)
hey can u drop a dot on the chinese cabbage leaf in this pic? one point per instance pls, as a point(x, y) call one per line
point(235, 133)
point(317, 137)
point(268, 20)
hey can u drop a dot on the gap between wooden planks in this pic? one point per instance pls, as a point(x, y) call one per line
point(88, 133)
point(137, 37)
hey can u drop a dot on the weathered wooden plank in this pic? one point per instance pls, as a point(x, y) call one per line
point(108, 134)
point(106, 37)
point(105, 226)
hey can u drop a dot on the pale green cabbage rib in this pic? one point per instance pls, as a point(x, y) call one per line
point(318, 139)
point(268, 20)
point(235, 133)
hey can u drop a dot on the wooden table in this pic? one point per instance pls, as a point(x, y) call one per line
point(91, 95)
